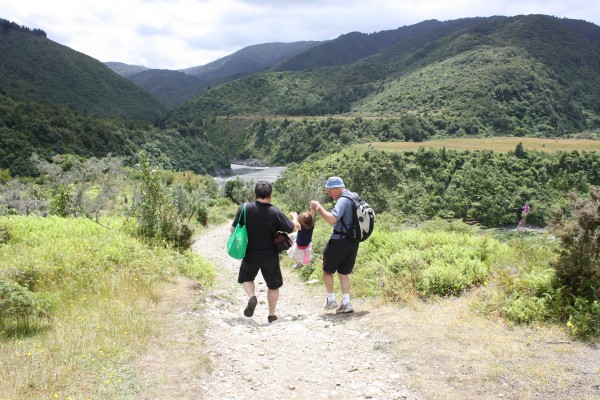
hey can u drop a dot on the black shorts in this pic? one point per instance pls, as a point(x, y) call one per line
point(339, 256)
point(269, 269)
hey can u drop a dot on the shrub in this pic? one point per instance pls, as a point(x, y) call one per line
point(239, 191)
point(177, 233)
point(158, 218)
point(578, 265)
point(18, 305)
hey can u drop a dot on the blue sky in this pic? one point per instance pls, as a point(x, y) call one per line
point(177, 34)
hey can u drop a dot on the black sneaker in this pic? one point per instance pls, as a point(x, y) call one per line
point(249, 311)
point(272, 318)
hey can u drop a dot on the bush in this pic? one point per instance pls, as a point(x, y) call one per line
point(158, 217)
point(239, 191)
point(578, 265)
point(18, 305)
point(177, 233)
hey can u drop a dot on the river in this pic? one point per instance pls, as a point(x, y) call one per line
point(244, 172)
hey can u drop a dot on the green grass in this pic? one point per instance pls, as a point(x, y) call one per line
point(101, 285)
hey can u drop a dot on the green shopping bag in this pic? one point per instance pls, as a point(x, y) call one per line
point(238, 241)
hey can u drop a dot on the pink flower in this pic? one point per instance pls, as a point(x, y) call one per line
point(524, 215)
point(526, 209)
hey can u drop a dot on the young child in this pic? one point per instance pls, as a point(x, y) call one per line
point(301, 251)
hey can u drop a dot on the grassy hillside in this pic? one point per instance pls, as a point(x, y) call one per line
point(524, 76)
point(512, 94)
point(39, 69)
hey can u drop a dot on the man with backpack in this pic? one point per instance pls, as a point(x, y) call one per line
point(341, 250)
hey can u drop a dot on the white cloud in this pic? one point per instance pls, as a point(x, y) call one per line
point(184, 33)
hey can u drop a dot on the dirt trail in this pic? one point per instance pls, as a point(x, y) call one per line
point(440, 350)
point(306, 353)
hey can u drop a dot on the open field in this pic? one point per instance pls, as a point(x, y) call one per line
point(498, 144)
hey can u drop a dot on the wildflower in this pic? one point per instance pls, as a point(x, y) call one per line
point(526, 210)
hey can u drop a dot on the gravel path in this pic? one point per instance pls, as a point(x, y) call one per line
point(306, 353)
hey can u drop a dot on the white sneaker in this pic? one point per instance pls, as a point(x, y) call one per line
point(330, 304)
point(344, 308)
point(298, 265)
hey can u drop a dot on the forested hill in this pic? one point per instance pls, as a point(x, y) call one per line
point(523, 75)
point(36, 68)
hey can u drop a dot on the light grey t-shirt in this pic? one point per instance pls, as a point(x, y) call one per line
point(342, 210)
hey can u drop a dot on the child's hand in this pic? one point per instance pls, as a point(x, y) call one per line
point(314, 204)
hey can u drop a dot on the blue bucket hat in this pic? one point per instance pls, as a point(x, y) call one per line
point(334, 182)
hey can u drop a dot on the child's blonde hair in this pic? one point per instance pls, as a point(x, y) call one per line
point(306, 219)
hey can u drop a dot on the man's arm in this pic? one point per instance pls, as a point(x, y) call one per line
point(326, 215)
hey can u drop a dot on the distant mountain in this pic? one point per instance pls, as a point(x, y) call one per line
point(176, 87)
point(172, 87)
point(34, 67)
point(125, 70)
point(531, 75)
point(248, 60)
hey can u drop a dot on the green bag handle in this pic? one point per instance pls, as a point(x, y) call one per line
point(238, 240)
point(244, 213)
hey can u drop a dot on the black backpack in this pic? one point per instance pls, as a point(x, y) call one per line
point(363, 219)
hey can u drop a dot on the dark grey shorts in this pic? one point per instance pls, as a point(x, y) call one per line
point(339, 256)
point(269, 269)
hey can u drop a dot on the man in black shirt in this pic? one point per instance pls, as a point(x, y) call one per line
point(263, 221)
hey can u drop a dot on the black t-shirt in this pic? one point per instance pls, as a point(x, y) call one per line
point(263, 221)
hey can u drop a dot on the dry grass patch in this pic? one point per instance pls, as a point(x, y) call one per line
point(498, 144)
point(452, 353)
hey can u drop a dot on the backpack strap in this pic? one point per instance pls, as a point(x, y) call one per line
point(345, 230)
